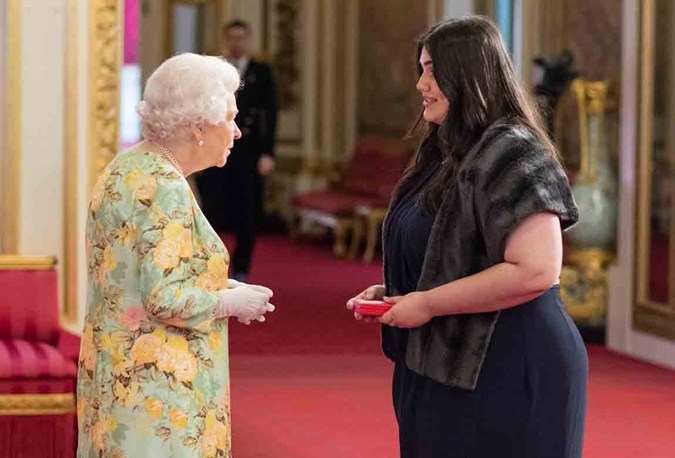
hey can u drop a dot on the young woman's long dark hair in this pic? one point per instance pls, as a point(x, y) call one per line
point(473, 69)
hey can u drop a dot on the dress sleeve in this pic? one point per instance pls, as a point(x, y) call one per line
point(176, 283)
point(514, 179)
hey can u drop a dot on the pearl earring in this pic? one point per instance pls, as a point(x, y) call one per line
point(201, 143)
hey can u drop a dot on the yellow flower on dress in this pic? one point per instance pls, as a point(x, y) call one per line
point(128, 235)
point(109, 263)
point(209, 444)
point(154, 407)
point(210, 421)
point(208, 281)
point(146, 348)
point(111, 424)
point(121, 366)
point(172, 231)
point(222, 436)
point(82, 406)
point(127, 396)
point(215, 341)
point(147, 189)
point(132, 178)
point(98, 192)
point(178, 418)
point(112, 343)
point(88, 350)
point(182, 236)
point(178, 343)
point(217, 265)
point(215, 277)
point(160, 333)
point(185, 244)
point(166, 254)
point(166, 359)
point(185, 367)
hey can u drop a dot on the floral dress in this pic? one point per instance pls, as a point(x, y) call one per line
point(153, 375)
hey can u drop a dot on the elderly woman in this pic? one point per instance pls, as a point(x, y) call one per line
point(153, 373)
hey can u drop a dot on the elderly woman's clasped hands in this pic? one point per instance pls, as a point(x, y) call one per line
point(245, 302)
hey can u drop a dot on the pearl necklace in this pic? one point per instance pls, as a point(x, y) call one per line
point(168, 155)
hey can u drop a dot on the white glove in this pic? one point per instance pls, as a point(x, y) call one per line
point(231, 283)
point(244, 303)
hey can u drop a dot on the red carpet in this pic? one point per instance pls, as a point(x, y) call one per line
point(303, 382)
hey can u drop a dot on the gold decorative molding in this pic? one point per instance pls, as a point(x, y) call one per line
point(655, 321)
point(285, 56)
point(645, 148)
point(592, 100)
point(18, 262)
point(12, 172)
point(71, 178)
point(37, 404)
point(105, 52)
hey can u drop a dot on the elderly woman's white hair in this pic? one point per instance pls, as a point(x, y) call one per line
point(187, 89)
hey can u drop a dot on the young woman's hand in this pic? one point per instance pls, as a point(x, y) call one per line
point(372, 293)
point(409, 311)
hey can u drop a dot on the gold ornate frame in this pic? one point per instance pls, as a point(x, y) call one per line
point(37, 404)
point(105, 53)
point(649, 316)
point(17, 262)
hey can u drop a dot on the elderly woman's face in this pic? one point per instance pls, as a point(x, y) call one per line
point(219, 139)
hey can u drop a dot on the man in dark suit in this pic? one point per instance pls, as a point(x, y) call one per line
point(232, 195)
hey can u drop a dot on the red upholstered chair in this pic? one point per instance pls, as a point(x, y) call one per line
point(38, 363)
point(367, 184)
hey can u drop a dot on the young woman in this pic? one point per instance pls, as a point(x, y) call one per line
point(487, 361)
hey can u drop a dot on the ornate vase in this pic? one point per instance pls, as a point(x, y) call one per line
point(592, 240)
point(595, 188)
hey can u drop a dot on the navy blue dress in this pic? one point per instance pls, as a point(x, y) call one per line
point(531, 395)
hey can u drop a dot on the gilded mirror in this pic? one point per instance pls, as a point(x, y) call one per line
point(655, 305)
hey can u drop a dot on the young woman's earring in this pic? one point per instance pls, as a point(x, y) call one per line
point(201, 143)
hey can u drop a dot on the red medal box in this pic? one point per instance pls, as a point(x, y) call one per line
point(371, 308)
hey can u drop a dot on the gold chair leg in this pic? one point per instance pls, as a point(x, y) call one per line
point(374, 219)
point(340, 246)
point(371, 237)
point(357, 236)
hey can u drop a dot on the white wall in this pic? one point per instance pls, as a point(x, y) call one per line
point(621, 336)
point(42, 105)
point(3, 82)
